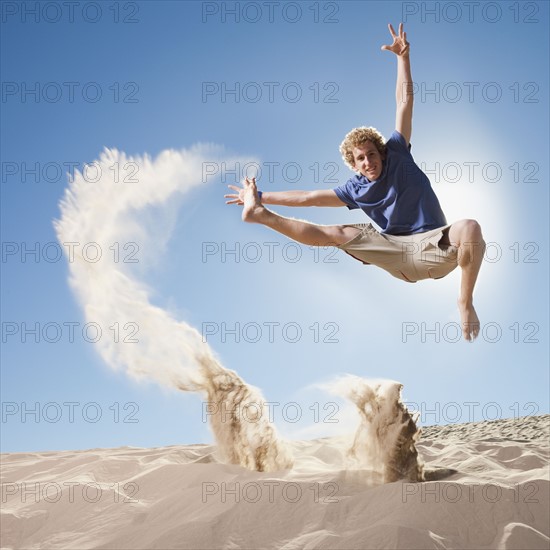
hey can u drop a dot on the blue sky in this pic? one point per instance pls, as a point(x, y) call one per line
point(143, 77)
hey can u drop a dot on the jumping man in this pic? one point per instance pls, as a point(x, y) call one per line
point(415, 242)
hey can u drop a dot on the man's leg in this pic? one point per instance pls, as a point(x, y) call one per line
point(466, 235)
point(301, 231)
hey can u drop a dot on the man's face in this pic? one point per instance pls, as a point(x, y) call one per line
point(368, 160)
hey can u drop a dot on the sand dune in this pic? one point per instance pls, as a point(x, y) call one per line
point(185, 497)
point(254, 490)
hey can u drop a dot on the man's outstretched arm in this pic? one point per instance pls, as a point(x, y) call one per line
point(404, 89)
point(321, 197)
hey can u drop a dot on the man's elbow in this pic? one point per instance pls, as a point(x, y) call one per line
point(405, 107)
point(325, 198)
point(308, 198)
point(405, 93)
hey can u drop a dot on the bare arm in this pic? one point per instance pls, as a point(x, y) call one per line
point(322, 197)
point(404, 96)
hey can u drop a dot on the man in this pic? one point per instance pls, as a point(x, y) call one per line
point(415, 242)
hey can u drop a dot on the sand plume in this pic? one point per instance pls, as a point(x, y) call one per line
point(163, 349)
point(239, 419)
point(386, 436)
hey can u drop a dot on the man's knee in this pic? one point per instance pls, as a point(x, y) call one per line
point(473, 227)
point(467, 231)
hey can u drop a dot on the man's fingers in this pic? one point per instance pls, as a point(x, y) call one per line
point(391, 30)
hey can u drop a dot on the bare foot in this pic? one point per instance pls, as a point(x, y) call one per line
point(253, 208)
point(469, 320)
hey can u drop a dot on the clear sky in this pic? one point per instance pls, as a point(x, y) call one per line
point(282, 83)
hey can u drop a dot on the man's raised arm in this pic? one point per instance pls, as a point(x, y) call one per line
point(404, 89)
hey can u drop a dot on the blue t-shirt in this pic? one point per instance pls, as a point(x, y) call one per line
point(401, 201)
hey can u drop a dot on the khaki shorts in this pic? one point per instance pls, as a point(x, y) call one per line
point(410, 258)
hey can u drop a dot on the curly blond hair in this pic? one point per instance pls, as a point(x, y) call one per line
point(357, 137)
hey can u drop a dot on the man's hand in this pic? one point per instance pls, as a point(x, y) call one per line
point(400, 45)
point(235, 198)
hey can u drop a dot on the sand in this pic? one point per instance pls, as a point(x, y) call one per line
point(252, 489)
point(185, 497)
